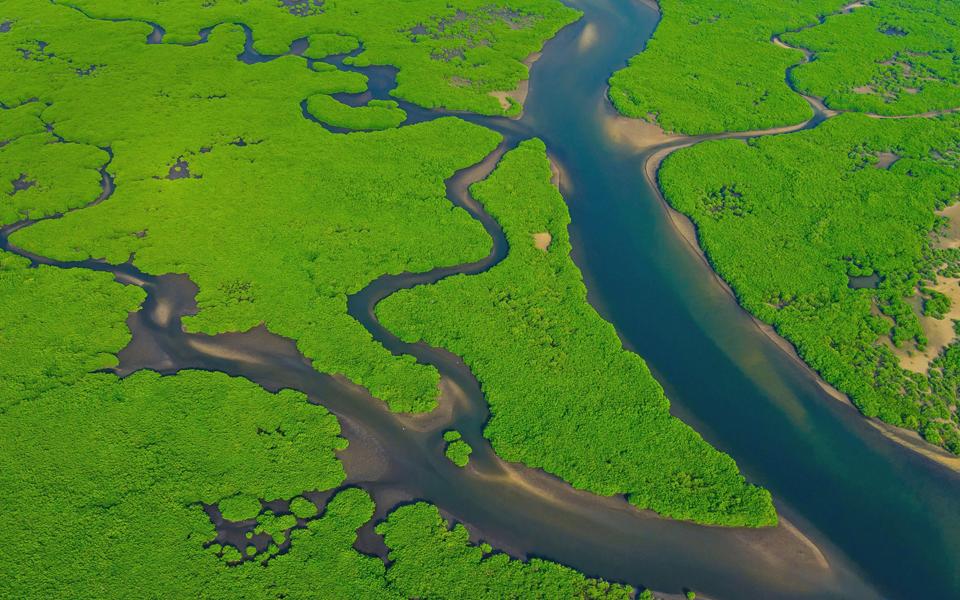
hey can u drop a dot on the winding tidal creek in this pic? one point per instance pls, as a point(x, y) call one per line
point(862, 516)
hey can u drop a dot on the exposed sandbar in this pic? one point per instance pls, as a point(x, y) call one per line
point(637, 134)
point(588, 37)
point(519, 93)
point(542, 240)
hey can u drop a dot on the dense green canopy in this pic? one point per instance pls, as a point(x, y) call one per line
point(50, 347)
point(564, 395)
point(375, 115)
point(711, 66)
point(431, 560)
point(450, 54)
point(283, 219)
point(39, 176)
point(107, 478)
point(890, 57)
point(459, 451)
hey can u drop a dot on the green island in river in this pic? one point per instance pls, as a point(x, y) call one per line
point(217, 214)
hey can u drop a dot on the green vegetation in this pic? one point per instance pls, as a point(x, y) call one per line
point(711, 66)
point(311, 250)
point(539, 349)
point(52, 335)
point(136, 457)
point(113, 473)
point(376, 115)
point(430, 560)
point(891, 57)
point(935, 304)
point(459, 452)
point(322, 559)
point(322, 45)
point(39, 177)
point(275, 237)
point(303, 508)
point(239, 507)
point(276, 526)
point(788, 234)
point(450, 54)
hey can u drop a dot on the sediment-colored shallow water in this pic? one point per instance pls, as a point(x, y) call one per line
point(863, 516)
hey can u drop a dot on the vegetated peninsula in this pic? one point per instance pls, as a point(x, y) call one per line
point(711, 67)
point(563, 393)
point(842, 237)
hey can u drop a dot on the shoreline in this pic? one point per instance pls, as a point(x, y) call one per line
point(518, 94)
point(652, 4)
point(687, 231)
point(558, 175)
point(774, 544)
point(655, 145)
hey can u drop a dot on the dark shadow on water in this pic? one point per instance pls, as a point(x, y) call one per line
point(869, 282)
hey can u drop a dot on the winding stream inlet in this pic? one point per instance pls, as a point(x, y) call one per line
point(863, 517)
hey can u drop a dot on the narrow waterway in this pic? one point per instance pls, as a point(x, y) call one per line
point(864, 517)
